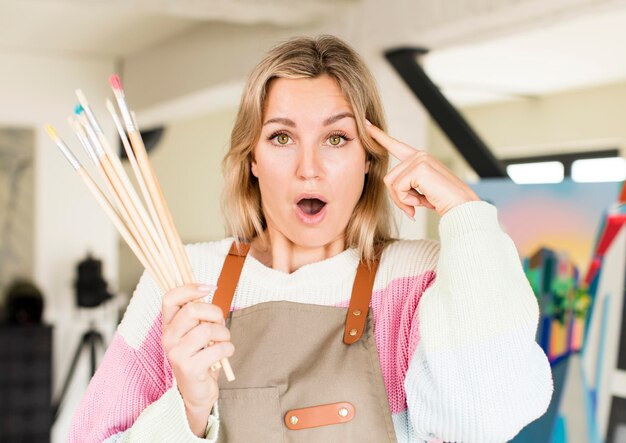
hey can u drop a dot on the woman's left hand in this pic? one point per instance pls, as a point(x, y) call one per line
point(420, 179)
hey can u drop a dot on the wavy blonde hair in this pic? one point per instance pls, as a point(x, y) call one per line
point(370, 227)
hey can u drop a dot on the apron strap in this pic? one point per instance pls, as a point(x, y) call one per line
point(227, 281)
point(359, 300)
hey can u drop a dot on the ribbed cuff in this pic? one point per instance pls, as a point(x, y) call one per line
point(213, 424)
point(213, 421)
point(180, 405)
point(468, 217)
point(163, 420)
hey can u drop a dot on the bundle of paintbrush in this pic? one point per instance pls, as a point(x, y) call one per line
point(152, 237)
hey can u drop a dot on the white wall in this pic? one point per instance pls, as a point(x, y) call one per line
point(34, 90)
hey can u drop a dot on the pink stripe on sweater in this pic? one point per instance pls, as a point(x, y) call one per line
point(152, 355)
point(396, 328)
point(108, 406)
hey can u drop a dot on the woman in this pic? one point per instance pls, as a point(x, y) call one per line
point(335, 330)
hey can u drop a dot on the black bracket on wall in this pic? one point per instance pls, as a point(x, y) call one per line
point(150, 137)
point(451, 122)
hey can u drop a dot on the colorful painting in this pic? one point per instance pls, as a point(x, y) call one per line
point(559, 216)
point(557, 229)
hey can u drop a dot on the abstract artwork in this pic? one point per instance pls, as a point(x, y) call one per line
point(556, 229)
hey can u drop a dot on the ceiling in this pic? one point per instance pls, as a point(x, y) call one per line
point(119, 28)
point(552, 54)
point(575, 53)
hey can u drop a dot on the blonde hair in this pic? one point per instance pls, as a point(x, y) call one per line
point(369, 229)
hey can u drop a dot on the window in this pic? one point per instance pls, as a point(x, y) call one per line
point(536, 172)
point(591, 166)
point(608, 169)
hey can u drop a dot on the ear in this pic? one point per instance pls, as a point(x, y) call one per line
point(253, 168)
point(367, 166)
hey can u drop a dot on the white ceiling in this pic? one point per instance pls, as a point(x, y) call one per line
point(570, 54)
point(550, 54)
point(90, 28)
point(119, 28)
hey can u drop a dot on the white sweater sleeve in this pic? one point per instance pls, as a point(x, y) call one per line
point(477, 374)
point(165, 419)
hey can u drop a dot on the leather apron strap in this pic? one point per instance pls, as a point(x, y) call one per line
point(359, 300)
point(229, 277)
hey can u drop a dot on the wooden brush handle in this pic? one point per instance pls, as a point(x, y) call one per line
point(106, 205)
point(174, 241)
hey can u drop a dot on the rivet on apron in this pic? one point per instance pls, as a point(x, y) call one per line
point(353, 332)
point(357, 312)
point(293, 419)
point(343, 412)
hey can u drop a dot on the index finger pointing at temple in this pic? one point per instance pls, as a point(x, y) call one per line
point(397, 148)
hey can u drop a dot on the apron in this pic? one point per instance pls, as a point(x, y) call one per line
point(304, 372)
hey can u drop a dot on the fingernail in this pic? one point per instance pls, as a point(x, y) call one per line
point(410, 218)
point(205, 288)
point(368, 123)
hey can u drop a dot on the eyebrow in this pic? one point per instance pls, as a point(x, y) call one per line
point(328, 121)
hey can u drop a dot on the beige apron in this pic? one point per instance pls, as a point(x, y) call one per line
point(304, 372)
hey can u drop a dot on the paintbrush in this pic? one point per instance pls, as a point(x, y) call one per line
point(156, 194)
point(114, 169)
point(144, 191)
point(120, 194)
point(102, 200)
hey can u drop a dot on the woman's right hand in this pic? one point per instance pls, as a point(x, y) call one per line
point(187, 330)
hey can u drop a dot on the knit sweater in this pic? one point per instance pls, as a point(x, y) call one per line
point(454, 324)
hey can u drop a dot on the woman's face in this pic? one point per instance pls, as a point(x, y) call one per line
point(309, 161)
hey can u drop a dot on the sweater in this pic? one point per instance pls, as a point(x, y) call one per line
point(454, 324)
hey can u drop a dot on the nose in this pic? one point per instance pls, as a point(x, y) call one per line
point(309, 163)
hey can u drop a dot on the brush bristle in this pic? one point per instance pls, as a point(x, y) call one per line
point(78, 109)
point(110, 106)
point(83, 122)
point(81, 97)
point(72, 122)
point(115, 82)
point(51, 132)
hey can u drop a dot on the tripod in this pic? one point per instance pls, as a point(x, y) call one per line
point(89, 339)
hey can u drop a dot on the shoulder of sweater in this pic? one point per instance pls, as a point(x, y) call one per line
point(218, 247)
point(207, 258)
point(405, 259)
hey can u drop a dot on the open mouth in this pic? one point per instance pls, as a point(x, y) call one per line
point(311, 206)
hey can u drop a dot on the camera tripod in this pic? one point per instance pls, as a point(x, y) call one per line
point(89, 339)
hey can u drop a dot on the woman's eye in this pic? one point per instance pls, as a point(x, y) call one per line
point(282, 138)
point(335, 139)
